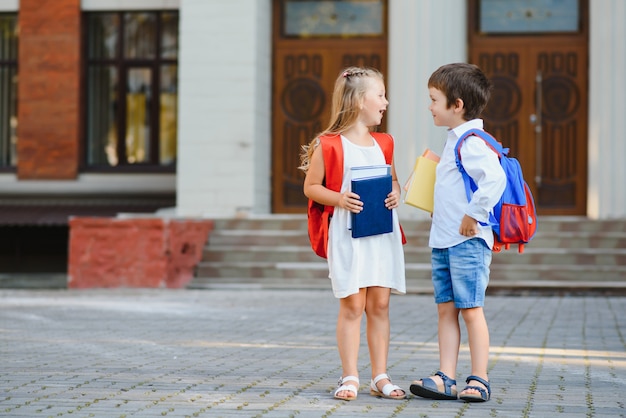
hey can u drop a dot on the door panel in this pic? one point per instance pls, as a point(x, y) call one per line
point(304, 73)
point(538, 109)
point(562, 166)
point(303, 85)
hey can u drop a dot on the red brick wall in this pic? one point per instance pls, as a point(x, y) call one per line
point(147, 253)
point(48, 89)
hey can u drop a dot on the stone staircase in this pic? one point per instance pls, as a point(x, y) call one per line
point(568, 255)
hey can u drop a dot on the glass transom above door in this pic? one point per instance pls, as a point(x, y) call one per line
point(529, 16)
point(333, 18)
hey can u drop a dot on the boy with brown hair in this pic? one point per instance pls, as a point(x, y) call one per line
point(460, 238)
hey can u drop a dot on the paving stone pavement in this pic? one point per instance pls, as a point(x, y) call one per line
point(255, 352)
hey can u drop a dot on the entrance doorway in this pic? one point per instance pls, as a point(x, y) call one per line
point(313, 41)
point(536, 55)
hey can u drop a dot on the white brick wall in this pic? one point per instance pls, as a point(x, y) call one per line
point(418, 44)
point(607, 146)
point(224, 116)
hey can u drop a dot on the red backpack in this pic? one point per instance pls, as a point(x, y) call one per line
point(319, 215)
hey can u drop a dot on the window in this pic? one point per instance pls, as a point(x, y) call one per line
point(8, 90)
point(333, 18)
point(132, 96)
point(529, 16)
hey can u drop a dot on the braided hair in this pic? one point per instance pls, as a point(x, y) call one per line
point(350, 88)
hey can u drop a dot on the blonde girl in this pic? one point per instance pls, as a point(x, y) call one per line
point(363, 271)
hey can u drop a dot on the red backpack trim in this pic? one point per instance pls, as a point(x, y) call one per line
point(319, 215)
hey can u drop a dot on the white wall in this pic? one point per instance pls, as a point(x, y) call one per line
point(263, 109)
point(101, 5)
point(607, 110)
point(9, 5)
point(423, 35)
point(224, 115)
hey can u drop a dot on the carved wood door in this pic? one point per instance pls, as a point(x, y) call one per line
point(538, 107)
point(304, 71)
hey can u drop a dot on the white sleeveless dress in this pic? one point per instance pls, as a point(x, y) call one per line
point(354, 263)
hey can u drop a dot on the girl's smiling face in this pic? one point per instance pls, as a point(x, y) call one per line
point(374, 103)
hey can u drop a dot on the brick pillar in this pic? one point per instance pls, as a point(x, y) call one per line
point(48, 89)
point(135, 252)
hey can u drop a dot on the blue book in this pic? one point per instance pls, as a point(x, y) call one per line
point(375, 218)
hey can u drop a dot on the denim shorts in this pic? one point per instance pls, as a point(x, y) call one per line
point(461, 273)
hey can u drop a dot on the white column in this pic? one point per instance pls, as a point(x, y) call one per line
point(607, 110)
point(423, 35)
point(224, 150)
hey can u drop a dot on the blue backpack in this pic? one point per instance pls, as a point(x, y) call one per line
point(514, 218)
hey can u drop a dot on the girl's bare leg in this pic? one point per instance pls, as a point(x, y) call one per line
point(378, 326)
point(349, 334)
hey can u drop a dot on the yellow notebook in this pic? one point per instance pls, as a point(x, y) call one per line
point(420, 188)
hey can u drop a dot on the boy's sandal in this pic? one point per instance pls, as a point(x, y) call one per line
point(387, 389)
point(347, 388)
point(484, 395)
point(429, 389)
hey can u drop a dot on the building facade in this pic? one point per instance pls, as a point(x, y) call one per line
point(420, 36)
point(197, 108)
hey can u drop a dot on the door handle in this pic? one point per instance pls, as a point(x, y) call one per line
point(535, 119)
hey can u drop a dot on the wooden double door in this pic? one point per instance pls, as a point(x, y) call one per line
point(538, 107)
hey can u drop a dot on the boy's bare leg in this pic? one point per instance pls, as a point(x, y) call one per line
point(478, 336)
point(349, 334)
point(449, 340)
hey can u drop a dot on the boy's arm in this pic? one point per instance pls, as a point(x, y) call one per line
point(482, 165)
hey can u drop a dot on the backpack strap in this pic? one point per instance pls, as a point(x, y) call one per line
point(332, 150)
point(470, 185)
point(492, 143)
point(385, 141)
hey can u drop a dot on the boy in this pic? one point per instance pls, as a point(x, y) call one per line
point(461, 246)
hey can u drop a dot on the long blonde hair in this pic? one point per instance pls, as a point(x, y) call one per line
point(350, 88)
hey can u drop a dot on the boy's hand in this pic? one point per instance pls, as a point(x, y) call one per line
point(469, 226)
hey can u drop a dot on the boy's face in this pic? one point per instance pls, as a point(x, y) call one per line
point(442, 114)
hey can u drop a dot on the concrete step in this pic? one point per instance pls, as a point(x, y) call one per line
point(500, 272)
point(570, 252)
point(554, 232)
point(420, 239)
point(530, 256)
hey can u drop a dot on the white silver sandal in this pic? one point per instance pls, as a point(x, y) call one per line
point(387, 389)
point(348, 388)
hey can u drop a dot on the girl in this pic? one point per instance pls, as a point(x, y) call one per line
point(363, 271)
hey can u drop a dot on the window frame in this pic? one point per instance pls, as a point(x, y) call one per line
point(123, 65)
point(7, 166)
